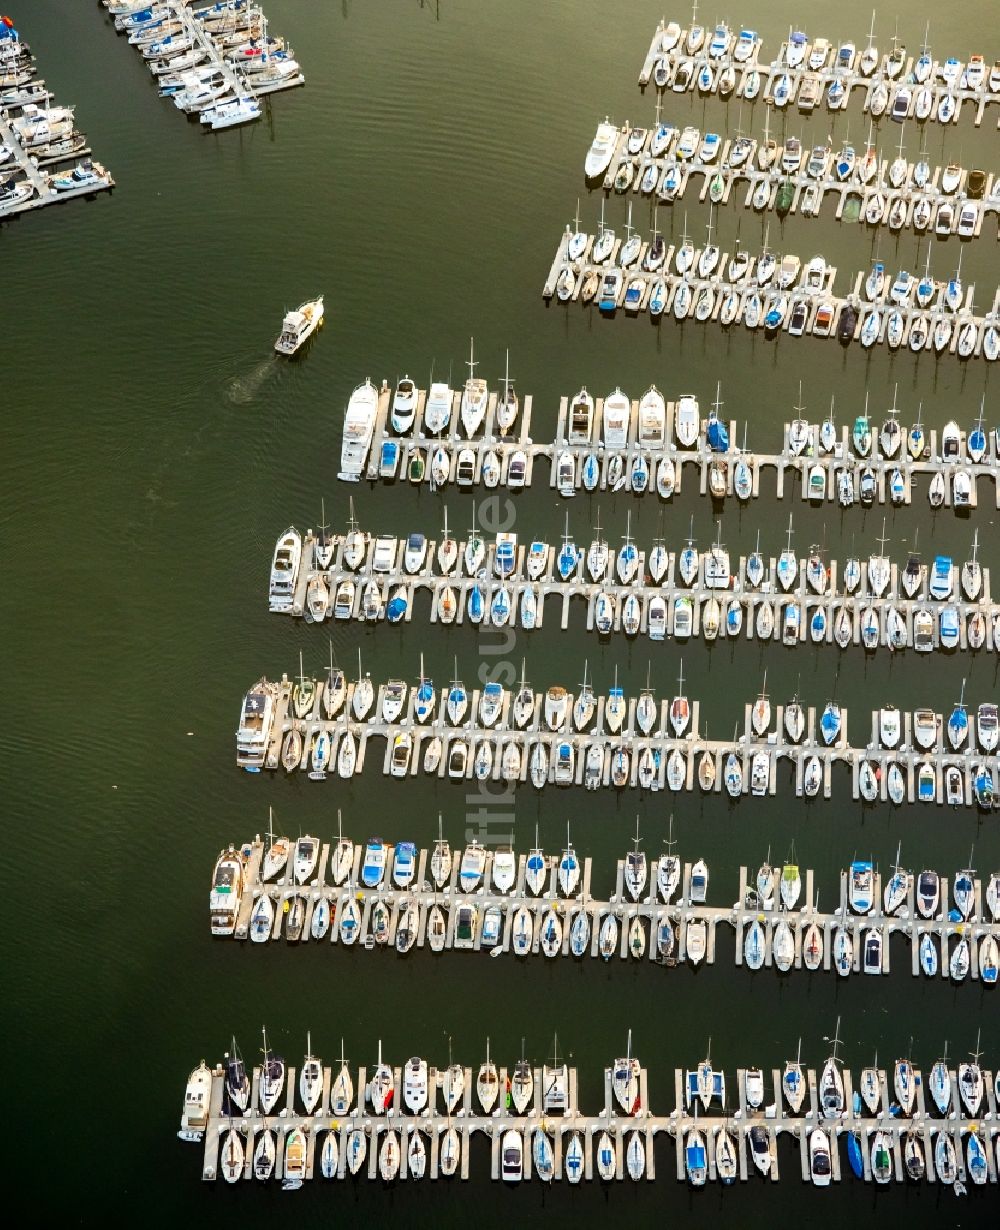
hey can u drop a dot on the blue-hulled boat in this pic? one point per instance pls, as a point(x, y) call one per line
point(718, 436)
point(500, 606)
point(854, 1155)
point(568, 558)
point(476, 605)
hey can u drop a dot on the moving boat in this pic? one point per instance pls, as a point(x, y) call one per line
point(298, 326)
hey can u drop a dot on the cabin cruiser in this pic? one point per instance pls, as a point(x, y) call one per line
point(299, 326)
point(616, 420)
point(601, 150)
point(285, 570)
point(359, 423)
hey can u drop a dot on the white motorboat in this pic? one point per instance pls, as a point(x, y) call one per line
point(688, 421)
point(820, 1169)
point(298, 326)
point(232, 113)
point(359, 423)
point(512, 1157)
point(601, 150)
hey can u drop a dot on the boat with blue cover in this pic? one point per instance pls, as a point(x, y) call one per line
point(830, 722)
point(854, 1155)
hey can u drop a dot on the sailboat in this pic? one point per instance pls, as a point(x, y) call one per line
point(972, 573)
point(487, 1083)
point(831, 1090)
point(668, 870)
point(441, 859)
point(569, 868)
point(323, 544)
point(272, 1078)
point(793, 1082)
point(635, 868)
point(447, 552)
point(761, 713)
point(625, 1080)
point(342, 1090)
point(475, 397)
point(475, 549)
point(535, 868)
point(380, 1089)
point(506, 412)
point(364, 694)
point(680, 710)
point(523, 1084)
point(310, 1078)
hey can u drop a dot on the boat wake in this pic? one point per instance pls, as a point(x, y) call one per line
point(243, 389)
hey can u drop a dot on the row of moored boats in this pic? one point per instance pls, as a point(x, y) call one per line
point(40, 132)
point(212, 61)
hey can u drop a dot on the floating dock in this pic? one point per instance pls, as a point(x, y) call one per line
point(815, 607)
point(219, 47)
point(272, 737)
point(34, 134)
point(796, 470)
point(666, 922)
point(890, 90)
point(573, 1139)
point(797, 308)
point(892, 195)
point(514, 451)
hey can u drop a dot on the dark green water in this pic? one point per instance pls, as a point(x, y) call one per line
point(154, 450)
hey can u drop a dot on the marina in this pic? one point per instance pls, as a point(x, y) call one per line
point(37, 138)
point(789, 177)
point(618, 443)
point(414, 1120)
point(374, 895)
point(515, 982)
point(795, 297)
point(663, 593)
point(325, 728)
point(807, 72)
point(214, 62)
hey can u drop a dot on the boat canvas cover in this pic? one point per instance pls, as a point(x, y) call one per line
point(718, 436)
point(696, 1157)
